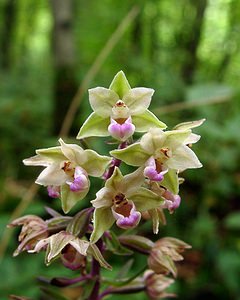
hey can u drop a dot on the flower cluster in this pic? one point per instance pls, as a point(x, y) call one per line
point(158, 156)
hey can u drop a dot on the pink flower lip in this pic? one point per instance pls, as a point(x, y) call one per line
point(151, 171)
point(80, 181)
point(127, 216)
point(121, 131)
point(172, 201)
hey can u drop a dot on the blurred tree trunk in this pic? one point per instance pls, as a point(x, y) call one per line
point(190, 36)
point(8, 25)
point(231, 43)
point(64, 57)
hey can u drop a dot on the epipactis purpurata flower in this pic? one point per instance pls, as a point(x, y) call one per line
point(119, 111)
point(66, 171)
point(121, 200)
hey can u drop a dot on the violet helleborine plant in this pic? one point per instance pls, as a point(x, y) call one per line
point(80, 241)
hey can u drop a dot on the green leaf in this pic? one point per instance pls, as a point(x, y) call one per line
point(120, 84)
point(95, 252)
point(87, 289)
point(69, 198)
point(133, 155)
point(94, 126)
point(95, 164)
point(232, 221)
point(145, 199)
point(52, 293)
point(102, 221)
point(125, 269)
point(170, 181)
point(147, 120)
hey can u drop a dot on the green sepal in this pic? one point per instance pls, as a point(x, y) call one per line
point(94, 126)
point(133, 155)
point(167, 262)
point(115, 246)
point(157, 216)
point(69, 198)
point(56, 243)
point(145, 199)
point(189, 125)
point(95, 164)
point(79, 223)
point(95, 252)
point(102, 220)
point(171, 182)
point(53, 153)
point(56, 222)
point(120, 84)
point(147, 120)
point(115, 182)
point(155, 219)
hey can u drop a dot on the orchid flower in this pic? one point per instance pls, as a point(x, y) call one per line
point(66, 171)
point(119, 111)
point(121, 200)
point(161, 151)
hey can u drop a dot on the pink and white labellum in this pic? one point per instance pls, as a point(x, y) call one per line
point(154, 170)
point(172, 201)
point(125, 213)
point(80, 180)
point(121, 129)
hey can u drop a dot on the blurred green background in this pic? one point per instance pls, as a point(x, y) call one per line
point(188, 51)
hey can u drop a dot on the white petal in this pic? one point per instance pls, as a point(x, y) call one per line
point(152, 140)
point(80, 245)
point(183, 158)
point(73, 152)
point(193, 138)
point(176, 138)
point(104, 198)
point(138, 100)
point(102, 100)
point(41, 244)
point(52, 175)
point(37, 160)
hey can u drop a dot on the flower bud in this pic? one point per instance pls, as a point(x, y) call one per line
point(33, 230)
point(72, 259)
point(164, 253)
point(53, 191)
point(156, 284)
